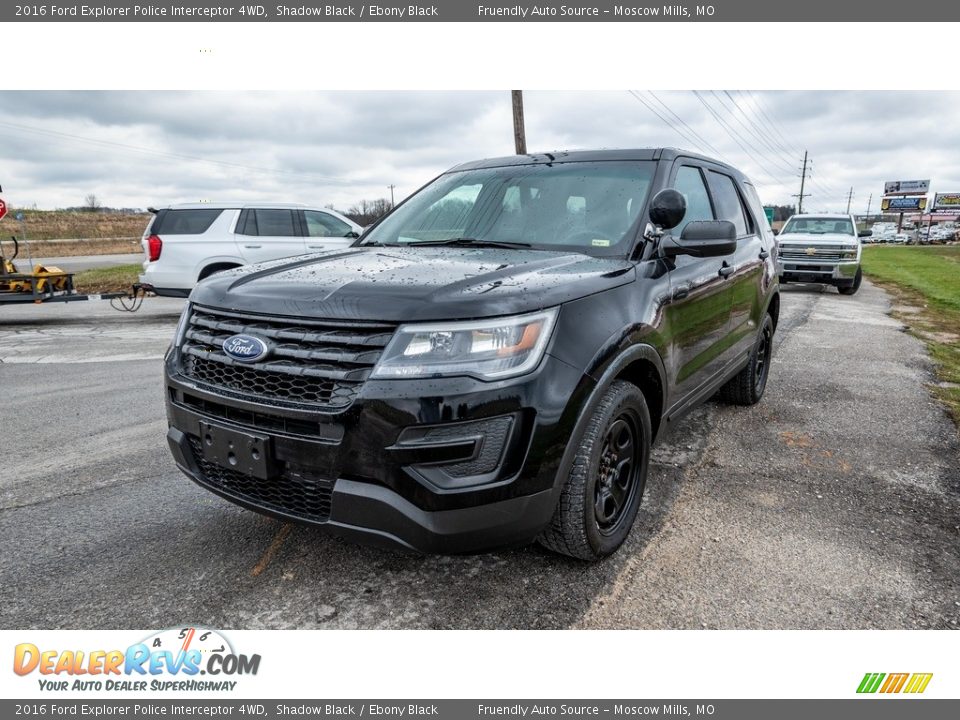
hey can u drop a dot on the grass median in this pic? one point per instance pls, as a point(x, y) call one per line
point(110, 279)
point(926, 283)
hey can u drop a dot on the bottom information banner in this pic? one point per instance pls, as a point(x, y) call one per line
point(481, 709)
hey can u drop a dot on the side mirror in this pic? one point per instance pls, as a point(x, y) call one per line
point(704, 238)
point(668, 208)
point(865, 233)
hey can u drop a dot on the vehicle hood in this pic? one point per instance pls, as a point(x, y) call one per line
point(808, 239)
point(404, 284)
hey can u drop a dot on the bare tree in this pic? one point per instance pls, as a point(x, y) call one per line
point(92, 203)
point(368, 211)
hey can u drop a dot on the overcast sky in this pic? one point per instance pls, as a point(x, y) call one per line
point(134, 149)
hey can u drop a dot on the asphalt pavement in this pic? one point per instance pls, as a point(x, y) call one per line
point(833, 503)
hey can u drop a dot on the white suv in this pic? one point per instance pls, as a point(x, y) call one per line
point(186, 243)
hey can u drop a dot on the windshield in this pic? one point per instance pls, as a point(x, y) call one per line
point(587, 207)
point(818, 226)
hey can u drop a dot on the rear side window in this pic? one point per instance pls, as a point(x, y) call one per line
point(689, 183)
point(727, 201)
point(267, 223)
point(754, 204)
point(184, 222)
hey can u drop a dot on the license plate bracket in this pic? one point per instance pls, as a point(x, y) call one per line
point(243, 452)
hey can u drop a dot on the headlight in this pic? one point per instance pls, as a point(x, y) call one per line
point(850, 252)
point(488, 349)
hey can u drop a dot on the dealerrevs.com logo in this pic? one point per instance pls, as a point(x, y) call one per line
point(179, 659)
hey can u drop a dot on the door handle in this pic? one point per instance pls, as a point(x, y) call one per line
point(764, 254)
point(680, 292)
point(253, 247)
point(726, 270)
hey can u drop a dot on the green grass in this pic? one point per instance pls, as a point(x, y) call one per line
point(926, 281)
point(111, 279)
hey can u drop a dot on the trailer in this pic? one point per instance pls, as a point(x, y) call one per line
point(41, 285)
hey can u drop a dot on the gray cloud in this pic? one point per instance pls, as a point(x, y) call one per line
point(146, 148)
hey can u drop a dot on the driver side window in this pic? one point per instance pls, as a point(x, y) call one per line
point(691, 185)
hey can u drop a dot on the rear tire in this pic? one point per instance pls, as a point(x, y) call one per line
point(746, 388)
point(852, 289)
point(602, 494)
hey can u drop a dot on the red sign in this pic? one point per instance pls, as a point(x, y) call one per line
point(3, 208)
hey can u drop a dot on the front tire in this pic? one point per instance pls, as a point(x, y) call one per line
point(746, 388)
point(852, 289)
point(601, 496)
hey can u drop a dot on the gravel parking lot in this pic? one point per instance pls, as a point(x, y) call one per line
point(834, 503)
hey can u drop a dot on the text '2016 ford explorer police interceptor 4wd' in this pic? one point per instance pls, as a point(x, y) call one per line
point(489, 364)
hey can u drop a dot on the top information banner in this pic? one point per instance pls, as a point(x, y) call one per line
point(485, 11)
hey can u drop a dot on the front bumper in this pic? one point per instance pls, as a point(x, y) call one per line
point(818, 271)
point(408, 464)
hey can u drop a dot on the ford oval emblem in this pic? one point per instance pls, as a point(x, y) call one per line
point(245, 348)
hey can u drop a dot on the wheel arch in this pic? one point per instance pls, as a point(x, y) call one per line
point(217, 266)
point(639, 364)
point(773, 308)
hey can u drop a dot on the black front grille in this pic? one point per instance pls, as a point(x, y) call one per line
point(311, 362)
point(296, 491)
point(325, 432)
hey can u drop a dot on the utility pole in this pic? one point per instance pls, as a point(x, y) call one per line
point(519, 133)
point(392, 203)
point(869, 203)
point(849, 200)
point(803, 180)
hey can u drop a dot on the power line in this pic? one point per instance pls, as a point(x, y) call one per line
point(667, 122)
point(772, 123)
point(776, 156)
point(775, 127)
point(735, 137)
point(772, 141)
point(775, 146)
point(681, 121)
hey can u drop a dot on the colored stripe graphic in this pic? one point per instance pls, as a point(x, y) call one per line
point(870, 682)
point(894, 683)
point(918, 682)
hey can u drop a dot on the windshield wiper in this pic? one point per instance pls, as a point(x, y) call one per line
point(471, 242)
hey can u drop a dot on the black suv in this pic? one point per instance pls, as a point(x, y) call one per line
point(490, 363)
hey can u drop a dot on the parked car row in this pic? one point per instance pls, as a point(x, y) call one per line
point(910, 235)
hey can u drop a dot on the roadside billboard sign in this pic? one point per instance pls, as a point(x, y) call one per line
point(906, 187)
point(903, 204)
point(949, 202)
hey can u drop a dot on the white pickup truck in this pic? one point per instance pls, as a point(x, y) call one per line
point(821, 249)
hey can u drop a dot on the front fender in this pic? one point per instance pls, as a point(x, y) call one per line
point(608, 364)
